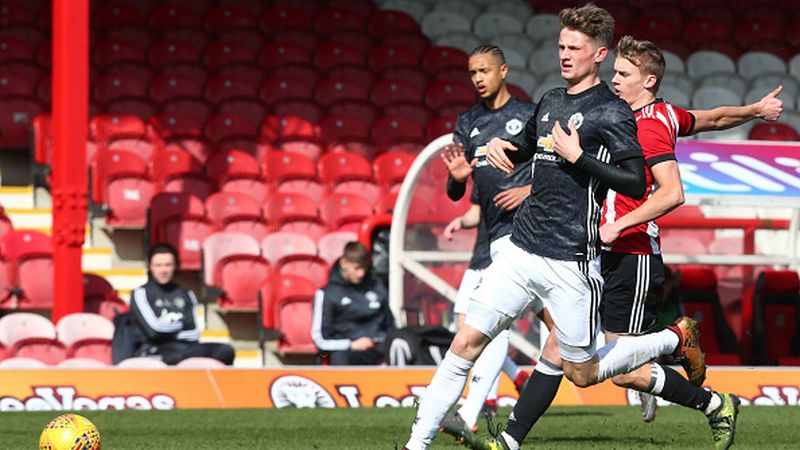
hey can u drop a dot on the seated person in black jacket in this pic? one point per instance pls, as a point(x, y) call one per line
point(351, 313)
point(167, 314)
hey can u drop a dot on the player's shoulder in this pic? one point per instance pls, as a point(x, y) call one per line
point(471, 114)
point(523, 105)
point(555, 94)
point(611, 104)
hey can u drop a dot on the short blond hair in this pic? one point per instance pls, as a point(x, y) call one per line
point(591, 20)
point(645, 55)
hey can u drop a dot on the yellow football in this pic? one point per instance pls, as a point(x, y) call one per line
point(70, 432)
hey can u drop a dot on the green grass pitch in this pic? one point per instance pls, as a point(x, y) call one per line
point(348, 429)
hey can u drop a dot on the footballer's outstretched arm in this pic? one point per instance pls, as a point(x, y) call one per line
point(469, 219)
point(459, 170)
point(768, 108)
point(628, 178)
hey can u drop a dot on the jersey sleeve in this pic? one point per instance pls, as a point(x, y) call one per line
point(322, 324)
point(460, 133)
point(473, 196)
point(619, 133)
point(656, 141)
point(686, 121)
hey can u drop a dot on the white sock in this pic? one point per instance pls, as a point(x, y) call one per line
point(484, 375)
point(444, 390)
point(493, 390)
point(630, 352)
point(657, 378)
point(715, 403)
point(510, 442)
point(511, 368)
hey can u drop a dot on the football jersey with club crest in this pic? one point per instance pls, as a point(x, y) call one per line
point(560, 219)
point(474, 129)
point(659, 125)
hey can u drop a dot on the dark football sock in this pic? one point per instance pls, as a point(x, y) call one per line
point(537, 396)
point(678, 390)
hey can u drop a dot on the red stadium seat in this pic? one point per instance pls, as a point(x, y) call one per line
point(277, 246)
point(773, 309)
point(26, 32)
point(110, 51)
point(227, 87)
point(386, 91)
point(344, 211)
point(29, 268)
point(16, 115)
point(443, 210)
point(334, 168)
point(384, 56)
point(391, 168)
point(277, 18)
point(237, 212)
point(224, 126)
point(171, 51)
point(364, 8)
point(331, 244)
point(774, 132)
point(331, 90)
point(12, 49)
point(136, 69)
point(280, 290)
point(276, 89)
point(172, 163)
point(389, 130)
point(328, 55)
point(307, 109)
point(99, 297)
point(301, 72)
point(14, 84)
point(360, 40)
point(442, 93)
point(218, 54)
point(86, 335)
point(168, 125)
point(230, 164)
point(117, 87)
point(412, 75)
point(293, 318)
point(334, 18)
point(698, 30)
point(415, 41)
point(386, 203)
point(654, 27)
point(273, 55)
point(387, 22)
point(697, 292)
point(358, 109)
point(416, 111)
point(166, 87)
point(357, 73)
point(135, 106)
point(750, 30)
point(335, 128)
point(164, 17)
point(278, 128)
point(439, 126)
point(222, 17)
point(124, 186)
point(232, 263)
point(192, 70)
point(437, 58)
point(198, 109)
point(29, 335)
point(315, 269)
point(113, 14)
point(303, 38)
point(282, 166)
point(180, 220)
point(104, 128)
point(195, 146)
point(15, 13)
point(293, 212)
point(196, 36)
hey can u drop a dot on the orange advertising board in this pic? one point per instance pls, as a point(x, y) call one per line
point(315, 387)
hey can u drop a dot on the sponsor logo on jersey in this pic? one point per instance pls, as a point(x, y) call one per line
point(546, 143)
point(474, 132)
point(483, 150)
point(346, 301)
point(577, 119)
point(513, 127)
point(299, 392)
point(546, 117)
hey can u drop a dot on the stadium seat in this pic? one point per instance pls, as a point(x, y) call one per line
point(86, 335)
point(331, 90)
point(772, 309)
point(306, 108)
point(169, 125)
point(702, 29)
point(192, 35)
point(707, 97)
point(751, 29)
point(200, 362)
point(111, 51)
point(278, 18)
point(281, 166)
point(387, 91)
point(14, 13)
point(222, 17)
point(114, 14)
point(492, 23)
point(173, 15)
point(220, 53)
point(30, 335)
point(231, 164)
point(391, 168)
point(291, 211)
point(273, 55)
point(180, 220)
point(219, 127)
point(141, 363)
point(705, 62)
point(331, 244)
point(389, 130)
point(124, 186)
point(168, 165)
point(281, 289)
point(335, 128)
point(344, 211)
point(328, 55)
point(279, 245)
point(195, 146)
point(232, 262)
point(387, 22)
point(301, 72)
point(293, 314)
point(226, 87)
point(27, 267)
point(104, 128)
point(168, 86)
point(334, 18)
point(81, 363)
point(237, 212)
point(357, 39)
point(774, 132)
point(22, 363)
point(276, 89)
point(753, 64)
point(99, 297)
point(730, 81)
point(354, 73)
point(442, 93)
point(345, 172)
point(384, 56)
point(437, 58)
point(697, 292)
point(16, 114)
point(438, 22)
point(416, 111)
point(109, 88)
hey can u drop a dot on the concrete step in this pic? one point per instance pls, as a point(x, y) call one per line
point(97, 258)
point(16, 197)
point(123, 279)
point(30, 218)
point(249, 359)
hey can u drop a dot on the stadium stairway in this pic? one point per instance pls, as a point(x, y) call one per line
point(117, 256)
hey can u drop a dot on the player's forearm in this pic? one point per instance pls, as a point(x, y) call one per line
point(455, 189)
point(472, 217)
point(659, 204)
point(724, 117)
point(627, 179)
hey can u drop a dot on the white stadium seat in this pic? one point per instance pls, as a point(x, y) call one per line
point(523, 78)
point(516, 8)
point(490, 24)
point(708, 97)
point(514, 58)
point(465, 9)
point(520, 42)
point(791, 87)
point(753, 64)
point(679, 81)
point(673, 62)
point(706, 62)
point(794, 65)
point(672, 94)
point(415, 9)
point(543, 26)
point(544, 60)
point(463, 40)
point(439, 22)
point(729, 80)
